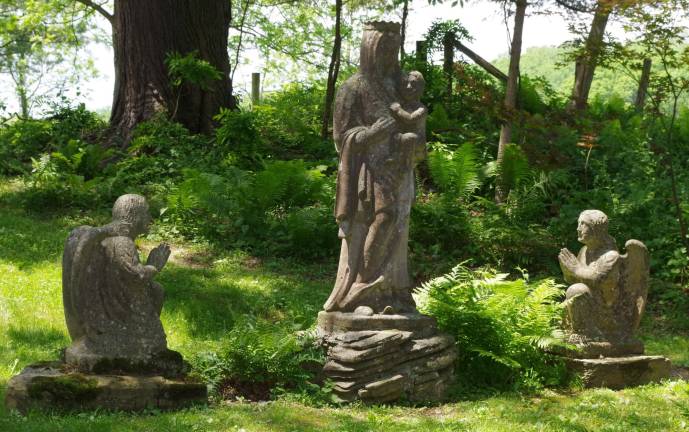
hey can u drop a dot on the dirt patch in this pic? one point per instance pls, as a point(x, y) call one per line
point(234, 389)
point(680, 372)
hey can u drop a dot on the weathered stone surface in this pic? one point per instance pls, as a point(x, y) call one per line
point(620, 372)
point(608, 293)
point(49, 387)
point(112, 305)
point(604, 305)
point(118, 358)
point(388, 364)
point(379, 347)
point(379, 130)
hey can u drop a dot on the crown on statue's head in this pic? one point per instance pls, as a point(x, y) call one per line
point(383, 26)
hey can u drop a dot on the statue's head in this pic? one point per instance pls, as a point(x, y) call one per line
point(133, 210)
point(380, 46)
point(413, 86)
point(592, 226)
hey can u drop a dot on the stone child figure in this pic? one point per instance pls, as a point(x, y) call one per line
point(411, 116)
point(608, 293)
point(112, 305)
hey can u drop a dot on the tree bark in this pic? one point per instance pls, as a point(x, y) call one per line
point(511, 92)
point(448, 64)
point(485, 64)
point(643, 85)
point(144, 33)
point(586, 63)
point(405, 15)
point(333, 71)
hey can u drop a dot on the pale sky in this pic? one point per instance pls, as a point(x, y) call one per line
point(483, 19)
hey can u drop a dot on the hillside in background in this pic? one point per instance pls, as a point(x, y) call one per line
point(546, 62)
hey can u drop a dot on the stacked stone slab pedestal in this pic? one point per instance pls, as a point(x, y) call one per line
point(382, 358)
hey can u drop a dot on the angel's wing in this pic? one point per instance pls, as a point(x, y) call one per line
point(636, 274)
point(82, 270)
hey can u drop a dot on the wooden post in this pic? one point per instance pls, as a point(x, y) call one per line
point(421, 52)
point(255, 88)
point(643, 85)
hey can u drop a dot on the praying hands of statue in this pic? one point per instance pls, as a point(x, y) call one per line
point(568, 263)
point(159, 256)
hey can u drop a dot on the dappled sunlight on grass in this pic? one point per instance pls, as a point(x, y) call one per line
point(205, 302)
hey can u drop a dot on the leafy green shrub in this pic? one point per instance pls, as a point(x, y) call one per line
point(66, 130)
point(502, 327)
point(284, 208)
point(51, 186)
point(256, 359)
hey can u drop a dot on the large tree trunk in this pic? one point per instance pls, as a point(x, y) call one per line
point(586, 63)
point(511, 92)
point(333, 71)
point(144, 33)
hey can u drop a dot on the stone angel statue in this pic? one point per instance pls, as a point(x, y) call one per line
point(608, 293)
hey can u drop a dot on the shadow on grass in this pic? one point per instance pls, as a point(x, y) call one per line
point(212, 300)
point(34, 337)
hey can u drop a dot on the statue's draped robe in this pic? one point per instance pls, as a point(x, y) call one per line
point(111, 304)
point(374, 176)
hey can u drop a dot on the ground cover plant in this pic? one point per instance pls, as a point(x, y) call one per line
point(210, 298)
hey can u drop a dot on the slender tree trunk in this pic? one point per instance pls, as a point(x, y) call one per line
point(22, 86)
point(144, 33)
point(586, 63)
point(333, 71)
point(405, 15)
point(511, 93)
point(643, 85)
point(448, 64)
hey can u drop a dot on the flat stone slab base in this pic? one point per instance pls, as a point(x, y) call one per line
point(46, 386)
point(620, 372)
point(383, 358)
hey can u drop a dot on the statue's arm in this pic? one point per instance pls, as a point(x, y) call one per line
point(348, 120)
point(126, 256)
point(603, 273)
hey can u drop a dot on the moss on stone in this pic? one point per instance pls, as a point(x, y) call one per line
point(64, 388)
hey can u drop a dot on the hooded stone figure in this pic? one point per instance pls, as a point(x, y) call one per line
point(112, 305)
point(375, 183)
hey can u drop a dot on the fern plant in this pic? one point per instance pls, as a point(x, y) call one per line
point(503, 328)
point(455, 172)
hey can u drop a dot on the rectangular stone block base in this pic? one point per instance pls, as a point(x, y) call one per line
point(620, 372)
point(47, 386)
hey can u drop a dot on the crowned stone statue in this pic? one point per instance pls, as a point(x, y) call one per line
point(380, 347)
point(605, 303)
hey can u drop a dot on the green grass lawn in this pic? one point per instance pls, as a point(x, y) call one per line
point(208, 294)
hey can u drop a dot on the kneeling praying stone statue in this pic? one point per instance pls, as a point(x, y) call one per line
point(604, 306)
point(118, 358)
point(112, 305)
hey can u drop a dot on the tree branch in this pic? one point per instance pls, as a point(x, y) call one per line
point(485, 64)
point(98, 8)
